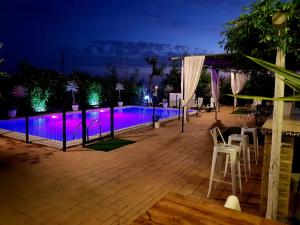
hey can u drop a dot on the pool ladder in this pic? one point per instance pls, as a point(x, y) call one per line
point(91, 123)
point(87, 128)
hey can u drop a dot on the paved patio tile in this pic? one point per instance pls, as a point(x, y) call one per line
point(42, 185)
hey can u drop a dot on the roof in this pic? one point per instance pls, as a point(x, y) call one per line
point(229, 62)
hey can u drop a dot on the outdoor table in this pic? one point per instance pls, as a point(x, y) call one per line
point(290, 129)
point(175, 209)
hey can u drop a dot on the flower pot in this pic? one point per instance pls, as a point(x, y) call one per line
point(157, 124)
point(120, 104)
point(165, 104)
point(12, 113)
point(75, 107)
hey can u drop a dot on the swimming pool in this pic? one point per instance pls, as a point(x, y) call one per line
point(49, 127)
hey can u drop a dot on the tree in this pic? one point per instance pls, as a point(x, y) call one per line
point(2, 74)
point(1, 59)
point(267, 27)
point(119, 88)
point(94, 97)
point(109, 82)
point(157, 70)
point(73, 88)
point(173, 78)
point(132, 86)
point(254, 34)
point(203, 88)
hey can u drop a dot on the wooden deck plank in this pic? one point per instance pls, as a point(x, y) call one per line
point(176, 209)
point(162, 160)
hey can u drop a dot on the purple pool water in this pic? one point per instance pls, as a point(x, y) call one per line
point(98, 121)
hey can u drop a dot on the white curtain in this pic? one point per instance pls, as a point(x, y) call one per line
point(190, 75)
point(238, 80)
point(215, 89)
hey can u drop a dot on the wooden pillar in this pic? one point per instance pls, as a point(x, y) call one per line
point(276, 142)
point(286, 161)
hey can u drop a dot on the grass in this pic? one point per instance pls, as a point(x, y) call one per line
point(241, 111)
point(109, 144)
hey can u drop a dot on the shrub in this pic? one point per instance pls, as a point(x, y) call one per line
point(94, 94)
point(39, 99)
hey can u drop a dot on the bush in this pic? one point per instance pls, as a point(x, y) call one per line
point(39, 99)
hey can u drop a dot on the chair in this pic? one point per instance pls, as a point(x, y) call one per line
point(212, 103)
point(243, 141)
point(234, 156)
point(232, 202)
point(257, 102)
point(200, 102)
point(253, 131)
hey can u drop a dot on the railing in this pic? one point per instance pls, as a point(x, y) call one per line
point(67, 129)
point(94, 121)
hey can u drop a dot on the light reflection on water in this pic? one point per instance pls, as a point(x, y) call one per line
point(50, 126)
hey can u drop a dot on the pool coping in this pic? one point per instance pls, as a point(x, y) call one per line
point(76, 142)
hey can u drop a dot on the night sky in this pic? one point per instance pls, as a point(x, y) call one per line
point(38, 30)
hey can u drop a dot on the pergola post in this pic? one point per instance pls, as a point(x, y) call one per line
point(274, 171)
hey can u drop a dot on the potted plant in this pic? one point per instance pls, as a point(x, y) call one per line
point(73, 88)
point(156, 121)
point(165, 103)
point(12, 111)
point(18, 92)
point(119, 88)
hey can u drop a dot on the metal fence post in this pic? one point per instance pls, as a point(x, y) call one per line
point(64, 148)
point(27, 127)
point(153, 114)
point(112, 133)
point(178, 109)
point(182, 125)
point(83, 117)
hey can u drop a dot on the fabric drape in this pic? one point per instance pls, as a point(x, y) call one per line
point(215, 89)
point(238, 80)
point(190, 75)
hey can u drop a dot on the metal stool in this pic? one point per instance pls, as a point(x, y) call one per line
point(243, 140)
point(253, 131)
point(233, 151)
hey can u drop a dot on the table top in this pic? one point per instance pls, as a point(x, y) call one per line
point(175, 209)
point(288, 125)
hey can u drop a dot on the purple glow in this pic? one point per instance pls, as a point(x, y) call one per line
point(98, 120)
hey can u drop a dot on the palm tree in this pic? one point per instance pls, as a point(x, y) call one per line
point(167, 90)
point(119, 88)
point(73, 87)
point(157, 70)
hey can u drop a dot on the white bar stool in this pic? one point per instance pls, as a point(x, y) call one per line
point(253, 131)
point(234, 156)
point(243, 140)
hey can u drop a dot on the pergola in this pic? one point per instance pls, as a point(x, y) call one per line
point(228, 62)
point(220, 62)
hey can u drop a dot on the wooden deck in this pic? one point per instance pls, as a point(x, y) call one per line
point(179, 209)
point(42, 185)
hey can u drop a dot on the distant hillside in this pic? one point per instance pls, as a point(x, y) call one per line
point(126, 55)
point(95, 56)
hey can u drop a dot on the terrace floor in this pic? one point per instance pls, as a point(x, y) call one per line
point(40, 185)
